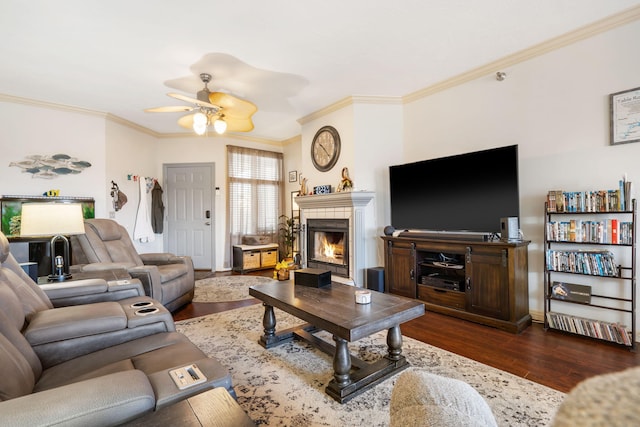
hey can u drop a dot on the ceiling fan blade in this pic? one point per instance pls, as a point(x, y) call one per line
point(235, 124)
point(186, 121)
point(233, 106)
point(169, 109)
point(193, 101)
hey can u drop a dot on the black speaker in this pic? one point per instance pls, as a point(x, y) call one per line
point(375, 279)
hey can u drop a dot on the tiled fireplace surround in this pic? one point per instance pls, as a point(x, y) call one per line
point(350, 205)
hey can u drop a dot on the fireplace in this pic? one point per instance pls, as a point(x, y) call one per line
point(348, 212)
point(328, 245)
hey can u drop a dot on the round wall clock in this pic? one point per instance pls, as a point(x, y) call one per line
point(325, 148)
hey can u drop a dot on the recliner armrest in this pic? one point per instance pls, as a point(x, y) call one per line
point(150, 278)
point(167, 393)
point(56, 290)
point(65, 323)
point(103, 401)
point(101, 266)
point(162, 258)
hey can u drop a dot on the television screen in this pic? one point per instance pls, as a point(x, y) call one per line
point(466, 192)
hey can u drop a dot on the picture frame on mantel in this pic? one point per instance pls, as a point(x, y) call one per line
point(293, 176)
point(624, 108)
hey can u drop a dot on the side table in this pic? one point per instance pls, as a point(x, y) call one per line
point(213, 408)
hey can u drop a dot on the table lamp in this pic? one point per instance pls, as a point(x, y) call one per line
point(57, 220)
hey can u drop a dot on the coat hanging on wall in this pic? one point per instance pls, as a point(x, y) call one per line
point(157, 209)
point(143, 231)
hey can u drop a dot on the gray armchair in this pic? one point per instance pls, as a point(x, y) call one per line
point(107, 245)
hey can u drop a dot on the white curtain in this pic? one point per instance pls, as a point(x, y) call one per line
point(255, 189)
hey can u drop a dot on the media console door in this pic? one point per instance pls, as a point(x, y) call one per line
point(401, 278)
point(487, 281)
point(495, 291)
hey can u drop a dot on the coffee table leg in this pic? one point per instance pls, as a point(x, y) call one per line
point(269, 324)
point(394, 342)
point(341, 363)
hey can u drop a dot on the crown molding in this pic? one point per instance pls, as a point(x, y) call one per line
point(582, 33)
point(214, 135)
point(292, 140)
point(50, 105)
point(351, 100)
point(119, 120)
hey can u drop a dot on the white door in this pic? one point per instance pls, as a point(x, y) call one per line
point(189, 211)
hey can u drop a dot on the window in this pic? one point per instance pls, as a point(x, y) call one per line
point(255, 188)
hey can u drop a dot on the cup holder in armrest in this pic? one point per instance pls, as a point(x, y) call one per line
point(147, 311)
point(141, 304)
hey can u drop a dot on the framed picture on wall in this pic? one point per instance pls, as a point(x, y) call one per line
point(293, 176)
point(624, 118)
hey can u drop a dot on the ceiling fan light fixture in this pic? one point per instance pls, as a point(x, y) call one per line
point(199, 128)
point(200, 118)
point(220, 126)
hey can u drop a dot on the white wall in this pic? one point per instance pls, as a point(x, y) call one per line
point(371, 139)
point(555, 107)
point(29, 130)
point(130, 153)
point(208, 150)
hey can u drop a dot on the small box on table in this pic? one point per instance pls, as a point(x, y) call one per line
point(312, 277)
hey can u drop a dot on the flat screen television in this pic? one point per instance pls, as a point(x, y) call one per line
point(463, 193)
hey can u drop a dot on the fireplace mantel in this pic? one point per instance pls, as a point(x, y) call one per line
point(335, 200)
point(351, 205)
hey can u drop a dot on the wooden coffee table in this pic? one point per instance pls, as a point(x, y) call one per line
point(334, 310)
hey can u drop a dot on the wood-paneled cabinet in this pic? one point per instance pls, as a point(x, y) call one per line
point(484, 282)
point(401, 279)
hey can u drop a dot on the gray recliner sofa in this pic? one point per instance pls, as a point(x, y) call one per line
point(106, 245)
point(96, 364)
point(57, 334)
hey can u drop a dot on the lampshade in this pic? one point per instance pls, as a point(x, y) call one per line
point(220, 126)
point(57, 220)
point(49, 219)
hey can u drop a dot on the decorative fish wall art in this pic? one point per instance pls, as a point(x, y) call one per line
point(49, 167)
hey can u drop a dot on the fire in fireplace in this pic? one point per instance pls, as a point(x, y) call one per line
point(328, 245)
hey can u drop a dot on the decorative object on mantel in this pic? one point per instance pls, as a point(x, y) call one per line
point(303, 187)
point(322, 189)
point(346, 184)
point(49, 167)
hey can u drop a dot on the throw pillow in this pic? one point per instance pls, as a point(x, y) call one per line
point(422, 399)
point(604, 400)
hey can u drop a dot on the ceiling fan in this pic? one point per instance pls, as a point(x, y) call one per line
point(223, 111)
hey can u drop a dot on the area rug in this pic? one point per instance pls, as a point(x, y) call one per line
point(285, 385)
point(226, 288)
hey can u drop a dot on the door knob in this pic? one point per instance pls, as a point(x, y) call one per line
point(207, 223)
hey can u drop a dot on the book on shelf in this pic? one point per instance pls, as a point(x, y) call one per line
point(595, 263)
point(609, 231)
point(614, 332)
point(617, 200)
point(571, 292)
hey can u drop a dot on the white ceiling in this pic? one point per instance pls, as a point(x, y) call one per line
point(290, 57)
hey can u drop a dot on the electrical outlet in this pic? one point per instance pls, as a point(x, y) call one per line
point(112, 215)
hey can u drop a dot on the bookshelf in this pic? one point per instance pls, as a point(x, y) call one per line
point(590, 265)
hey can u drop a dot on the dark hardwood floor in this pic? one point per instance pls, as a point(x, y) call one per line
point(552, 358)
